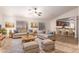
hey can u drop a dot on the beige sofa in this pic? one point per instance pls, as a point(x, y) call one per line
point(48, 45)
point(31, 47)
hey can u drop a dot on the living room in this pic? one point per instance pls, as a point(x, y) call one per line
point(37, 29)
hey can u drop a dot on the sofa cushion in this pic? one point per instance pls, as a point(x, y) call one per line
point(47, 41)
point(30, 45)
point(47, 45)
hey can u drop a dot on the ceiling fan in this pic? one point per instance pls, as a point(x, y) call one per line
point(35, 10)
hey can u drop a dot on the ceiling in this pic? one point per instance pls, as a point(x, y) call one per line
point(48, 12)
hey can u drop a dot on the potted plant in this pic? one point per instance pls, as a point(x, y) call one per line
point(3, 31)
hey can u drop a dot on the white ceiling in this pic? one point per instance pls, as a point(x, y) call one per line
point(48, 12)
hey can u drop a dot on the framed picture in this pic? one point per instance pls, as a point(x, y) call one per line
point(34, 25)
point(41, 26)
point(0, 26)
point(9, 25)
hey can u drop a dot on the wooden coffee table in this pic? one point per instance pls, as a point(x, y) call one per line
point(28, 38)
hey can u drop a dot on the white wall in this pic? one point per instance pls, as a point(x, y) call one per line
point(29, 20)
point(70, 13)
point(1, 16)
point(14, 18)
point(1, 22)
point(78, 27)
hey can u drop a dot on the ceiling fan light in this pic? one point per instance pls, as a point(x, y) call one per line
point(35, 12)
point(35, 8)
point(40, 12)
